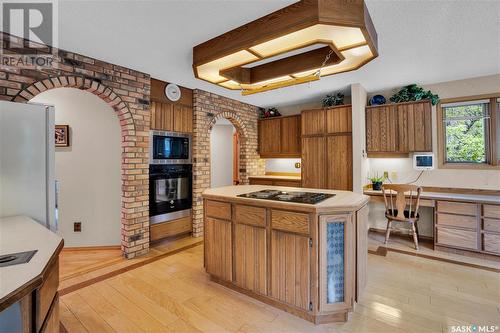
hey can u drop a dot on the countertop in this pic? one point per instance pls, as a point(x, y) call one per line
point(493, 199)
point(277, 177)
point(342, 201)
point(19, 234)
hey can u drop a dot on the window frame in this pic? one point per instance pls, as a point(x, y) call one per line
point(492, 155)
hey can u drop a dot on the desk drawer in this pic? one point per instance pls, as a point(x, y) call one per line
point(217, 209)
point(462, 208)
point(457, 220)
point(457, 238)
point(491, 211)
point(288, 221)
point(491, 243)
point(491, 225)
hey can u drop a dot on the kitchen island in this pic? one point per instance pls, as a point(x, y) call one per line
point(307, 259)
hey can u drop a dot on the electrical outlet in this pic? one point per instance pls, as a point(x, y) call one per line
point(77, 227)
point(297, 165)
point(394, 175)
point(135, 237)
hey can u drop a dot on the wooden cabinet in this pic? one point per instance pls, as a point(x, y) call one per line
point(398, 129)
point(290, 269)
point(250, 257)
point(314, 162)
point(275, 182)
point(280, 137)
point(171, 228)
point(457, 224)
point(327, 148)
point(171, 116)
point(218, 246)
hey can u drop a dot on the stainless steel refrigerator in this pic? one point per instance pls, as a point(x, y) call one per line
point(27, 162)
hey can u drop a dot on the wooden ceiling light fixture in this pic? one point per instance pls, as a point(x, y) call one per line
point(293, 45)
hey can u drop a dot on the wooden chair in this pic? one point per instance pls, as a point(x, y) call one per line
point(396, 204)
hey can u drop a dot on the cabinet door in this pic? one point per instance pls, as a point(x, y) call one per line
point(339, 166)
point(419, 126)
point(183, 118)
point(269, 136)
point(218, 247)
point(336, 255)
point(290, 269)
point(361, 250)
point(162, 116)
point(381, 129)
point(313, 122)
point(250, 258)
point(339, 120)
point(314, 162)
point(290, 136)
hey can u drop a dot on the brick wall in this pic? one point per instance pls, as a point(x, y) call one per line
point(208, 108)
point(126, 91)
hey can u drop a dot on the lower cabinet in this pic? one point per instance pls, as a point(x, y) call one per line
point(337, 247)
point(218, 246)
point(290, 269)
point(250, 257)
point(275, 182)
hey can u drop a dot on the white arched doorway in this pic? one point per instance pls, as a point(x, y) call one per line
point(89, 170)
point(224, 154)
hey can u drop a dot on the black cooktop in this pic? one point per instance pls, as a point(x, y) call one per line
point(298, 197)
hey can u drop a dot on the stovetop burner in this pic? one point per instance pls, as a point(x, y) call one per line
point(298, 197)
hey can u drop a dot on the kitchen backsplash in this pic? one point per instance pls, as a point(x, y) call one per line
point(282, 165)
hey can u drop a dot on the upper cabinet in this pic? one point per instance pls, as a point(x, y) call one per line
point(327, 148)
point(279, 137)
point(167, 115)
point(398, 129)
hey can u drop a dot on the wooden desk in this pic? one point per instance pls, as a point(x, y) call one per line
point(464, 222)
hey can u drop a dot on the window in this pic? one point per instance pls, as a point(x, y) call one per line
point(466, 132)
point(469, 135)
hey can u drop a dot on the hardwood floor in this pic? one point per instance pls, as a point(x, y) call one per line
point(404, 294)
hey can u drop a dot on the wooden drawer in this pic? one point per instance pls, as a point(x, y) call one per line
point(288, 183)
point(491, 243)
point(51, 324)
point(289, 221)
point(462, 208)
point(457, 238)
point(170, 228)
point(491, 225)
point(217, 209)
point(457, 220)
point(258, 181)
point(491, 211)
point(45, 294)
point(250, 215)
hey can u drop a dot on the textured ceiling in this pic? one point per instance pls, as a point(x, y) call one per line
point(419, 40)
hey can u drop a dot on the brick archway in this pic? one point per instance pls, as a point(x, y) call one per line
point(134, 171)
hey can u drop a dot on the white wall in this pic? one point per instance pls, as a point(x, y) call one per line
point(221, 154)
point(360, 163)
point(282, 165)
point(89, 171)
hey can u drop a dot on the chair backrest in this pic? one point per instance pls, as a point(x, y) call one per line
point(395, 198)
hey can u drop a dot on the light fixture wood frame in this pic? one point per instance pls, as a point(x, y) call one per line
point(294, 18)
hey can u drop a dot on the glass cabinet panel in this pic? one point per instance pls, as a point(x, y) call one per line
point(336, 253)
point(334, 262)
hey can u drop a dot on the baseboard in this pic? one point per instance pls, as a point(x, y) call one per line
point(87, 248)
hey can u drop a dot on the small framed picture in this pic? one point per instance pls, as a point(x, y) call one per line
point(62, 135)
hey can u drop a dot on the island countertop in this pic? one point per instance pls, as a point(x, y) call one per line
point(19, 234)
point(343, 200)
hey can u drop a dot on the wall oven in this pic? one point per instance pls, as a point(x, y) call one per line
point(170, 192)
point(169, 147)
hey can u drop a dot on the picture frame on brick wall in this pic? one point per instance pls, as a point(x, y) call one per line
point(62, 135)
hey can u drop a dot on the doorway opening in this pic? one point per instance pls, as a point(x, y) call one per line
point(224, 154)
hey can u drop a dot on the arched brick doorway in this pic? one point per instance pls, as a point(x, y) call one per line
point(134, 164)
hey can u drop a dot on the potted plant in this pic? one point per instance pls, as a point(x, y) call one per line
point(377, 182)
point(413, 92)
point(333, 100)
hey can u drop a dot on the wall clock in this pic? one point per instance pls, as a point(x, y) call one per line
point(173, 92)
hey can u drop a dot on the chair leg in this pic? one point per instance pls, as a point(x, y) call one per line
point(415, 236)
point(388, 231)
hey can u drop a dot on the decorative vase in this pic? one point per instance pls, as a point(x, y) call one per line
point(377, 186)
point(377, 100)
